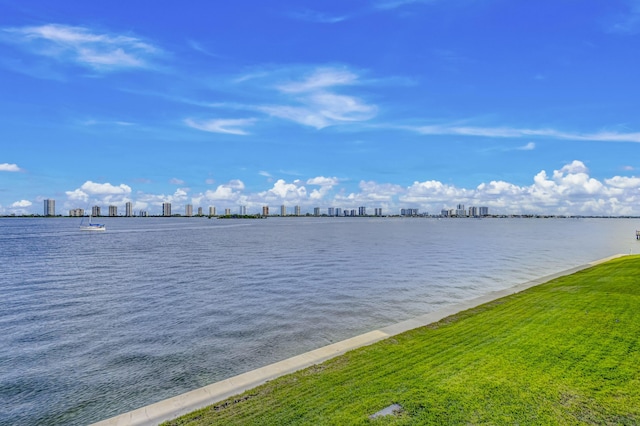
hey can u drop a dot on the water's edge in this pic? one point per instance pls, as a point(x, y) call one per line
point(177, 406)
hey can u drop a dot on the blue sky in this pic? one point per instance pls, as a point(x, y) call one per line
point(525, 107)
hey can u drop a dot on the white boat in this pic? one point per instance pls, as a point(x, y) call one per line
point(93, 226)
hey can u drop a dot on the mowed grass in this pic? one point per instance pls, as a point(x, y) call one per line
point(565, 352)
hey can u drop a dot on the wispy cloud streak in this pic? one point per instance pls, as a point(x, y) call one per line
point(80, 45)
point(232, 126)
point(317, 17)
point(508, 132)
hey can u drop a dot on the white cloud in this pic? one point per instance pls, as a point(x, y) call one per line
point(380, 194)
point(432, 191)
point(509, 132)
point(180, 194)
point(105, 188)
point(325, 184)
point(313, 16)
point(232, 126)
point(623, 182)
point(104, 193)
point(394, 4)
point(627, 23)
point(575, 166)
point(176, 181)
point(300, 115)
point(6, 167)
point(96, 50)
point(230, 192)
point(323, 181)
point(528, 147)
point(283, 191)
point(313, 101)
point(342, 108)
point(319, 79)
point(570, 189)
point(21, 204)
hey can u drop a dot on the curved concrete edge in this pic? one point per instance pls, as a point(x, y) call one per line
point(199, 398)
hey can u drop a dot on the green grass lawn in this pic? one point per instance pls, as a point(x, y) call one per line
point(565, 352)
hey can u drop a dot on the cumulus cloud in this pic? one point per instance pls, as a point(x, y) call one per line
point(323, 181)
point(105, 193)
point(432, 191)
point(94, 188)
point(7, 167)
point(229, 192)
point(623, 182)
point(283, 191)
point(21, 204)
point(325, 184)
point(97, 50)
point(569, 189)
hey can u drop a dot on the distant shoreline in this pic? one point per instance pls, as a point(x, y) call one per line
point(257, 216)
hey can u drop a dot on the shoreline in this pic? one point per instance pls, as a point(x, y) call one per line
point(185, 403)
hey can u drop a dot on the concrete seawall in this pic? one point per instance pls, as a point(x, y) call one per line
point(199, 398)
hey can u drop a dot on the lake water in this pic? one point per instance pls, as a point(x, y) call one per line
point(96, 324)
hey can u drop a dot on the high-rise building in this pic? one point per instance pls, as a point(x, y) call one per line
point(188, 210)
point(483, 211)
point(352, 213)
point(166, 209)
point(316, 211)
point(460, 211)
point(128, 208)
point(242, 211)
point(212, 211)
point(227, 212)
point(473, 211)
point(49, 207)
point(76, 212)
point(265, 210)
point(95, 211)
point(362, 211)
point(338, 211)
point(113, 211)
point(199, 211)
point(297, 211)
point(283, 210)
point(331, 211)
point(378, 211)
point(143, 213)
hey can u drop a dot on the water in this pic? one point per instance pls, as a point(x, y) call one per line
point(96, 324)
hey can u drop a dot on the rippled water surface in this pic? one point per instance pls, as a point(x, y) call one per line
point(96, 324)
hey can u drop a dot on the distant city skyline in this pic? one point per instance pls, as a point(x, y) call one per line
point(523, 107)
point(460, 211)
